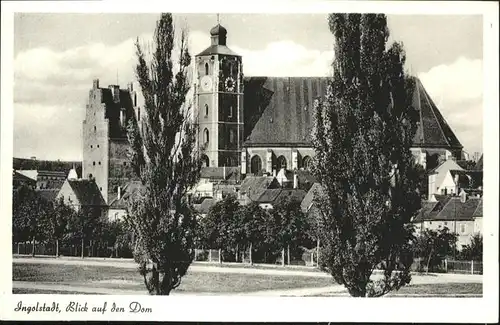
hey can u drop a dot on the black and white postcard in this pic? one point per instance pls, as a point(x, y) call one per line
point(204, 161)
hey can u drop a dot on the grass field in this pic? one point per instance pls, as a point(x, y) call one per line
point(438, 290)
point(119, 278)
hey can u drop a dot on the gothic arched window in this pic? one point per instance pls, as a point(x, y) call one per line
point(206, 69)
point(206, 137)
point(206, 109)
point(306, 162)
point(255, 164)
point(281, 162)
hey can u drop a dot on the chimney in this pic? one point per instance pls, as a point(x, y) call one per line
point(119, 192)
point(295, 180)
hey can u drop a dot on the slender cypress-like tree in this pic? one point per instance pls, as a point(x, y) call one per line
point(163, 154)
point(363, 133)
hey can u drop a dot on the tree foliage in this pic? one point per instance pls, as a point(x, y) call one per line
point(29, 210)
point(473, 250)
point(433, 246)
point(58, 221)
point(220, 224)
point(363, 133)
point(163, 154)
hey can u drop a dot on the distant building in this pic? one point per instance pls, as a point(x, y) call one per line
point(450, 178)
point(118, 207)
point(19, 179)
point(45, 179)
point(460, 214)
point(83, 194)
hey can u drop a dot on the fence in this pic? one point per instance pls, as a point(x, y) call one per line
point(49, 249)
point(449, 266)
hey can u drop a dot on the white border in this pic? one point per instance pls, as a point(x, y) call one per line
point(196, 308)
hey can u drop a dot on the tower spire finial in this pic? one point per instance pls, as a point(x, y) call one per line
point(218, 19)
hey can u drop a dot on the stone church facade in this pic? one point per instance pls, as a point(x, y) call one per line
point(259, 125)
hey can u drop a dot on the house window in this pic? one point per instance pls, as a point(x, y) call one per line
point(206, 109)
point(91, 147)
point(99, 163)
point(97, 146)
point(306, 162)
point(93, 163)
point(95, 128)
point(100, 188)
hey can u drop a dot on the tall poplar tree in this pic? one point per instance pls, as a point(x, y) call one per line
point(163, 154)
point(363, 133)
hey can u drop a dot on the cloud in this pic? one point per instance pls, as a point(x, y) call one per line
point(457, 90)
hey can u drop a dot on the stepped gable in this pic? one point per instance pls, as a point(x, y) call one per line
point(279, 111)
point(433, 131)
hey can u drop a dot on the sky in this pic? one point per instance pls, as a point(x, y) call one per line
point(56, 57)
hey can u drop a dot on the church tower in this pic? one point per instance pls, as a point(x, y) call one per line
point(219, 102)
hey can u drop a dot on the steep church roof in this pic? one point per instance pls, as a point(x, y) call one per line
point(433, 130)
point(279, 111)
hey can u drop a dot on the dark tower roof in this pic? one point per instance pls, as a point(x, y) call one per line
point(279, 112)
point(218, 36)
point(433, 131)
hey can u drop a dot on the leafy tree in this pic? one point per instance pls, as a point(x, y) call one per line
point(164, 157)
point(58, 220)
point(29, 210)
point(255, 233)
point(433, 246)
point(473, 250)
point(220, 223)
point(86, 224)
point(363, 133)
point(290, 226)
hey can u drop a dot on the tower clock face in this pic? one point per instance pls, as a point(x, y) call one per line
point(206, 83)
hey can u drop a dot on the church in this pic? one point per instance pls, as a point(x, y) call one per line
point(248, 125)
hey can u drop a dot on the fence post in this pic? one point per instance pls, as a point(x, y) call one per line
point(220, 255)
point(472, 267)
point(210, 255)
point(18, 245)
point(312, 258)
point(446, 265)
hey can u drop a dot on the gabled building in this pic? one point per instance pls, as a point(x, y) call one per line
point(45, 179)
point(83, 194)
point(459, 214)
point(450, 178)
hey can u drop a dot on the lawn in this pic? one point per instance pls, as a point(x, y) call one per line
point(196, 282)
point(437, 290)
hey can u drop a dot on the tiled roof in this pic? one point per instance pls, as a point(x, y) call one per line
point(87, 192)
point(279, 112)
point(255, 186)
point(217, 49)
point(269, 196)
point(49, 194)
point(433, 130)
point(309, 197)
point(129, 189)
point(294, 194)
point(217, 173)
point(20, 178)
point(468, 179)
point(451, 208)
